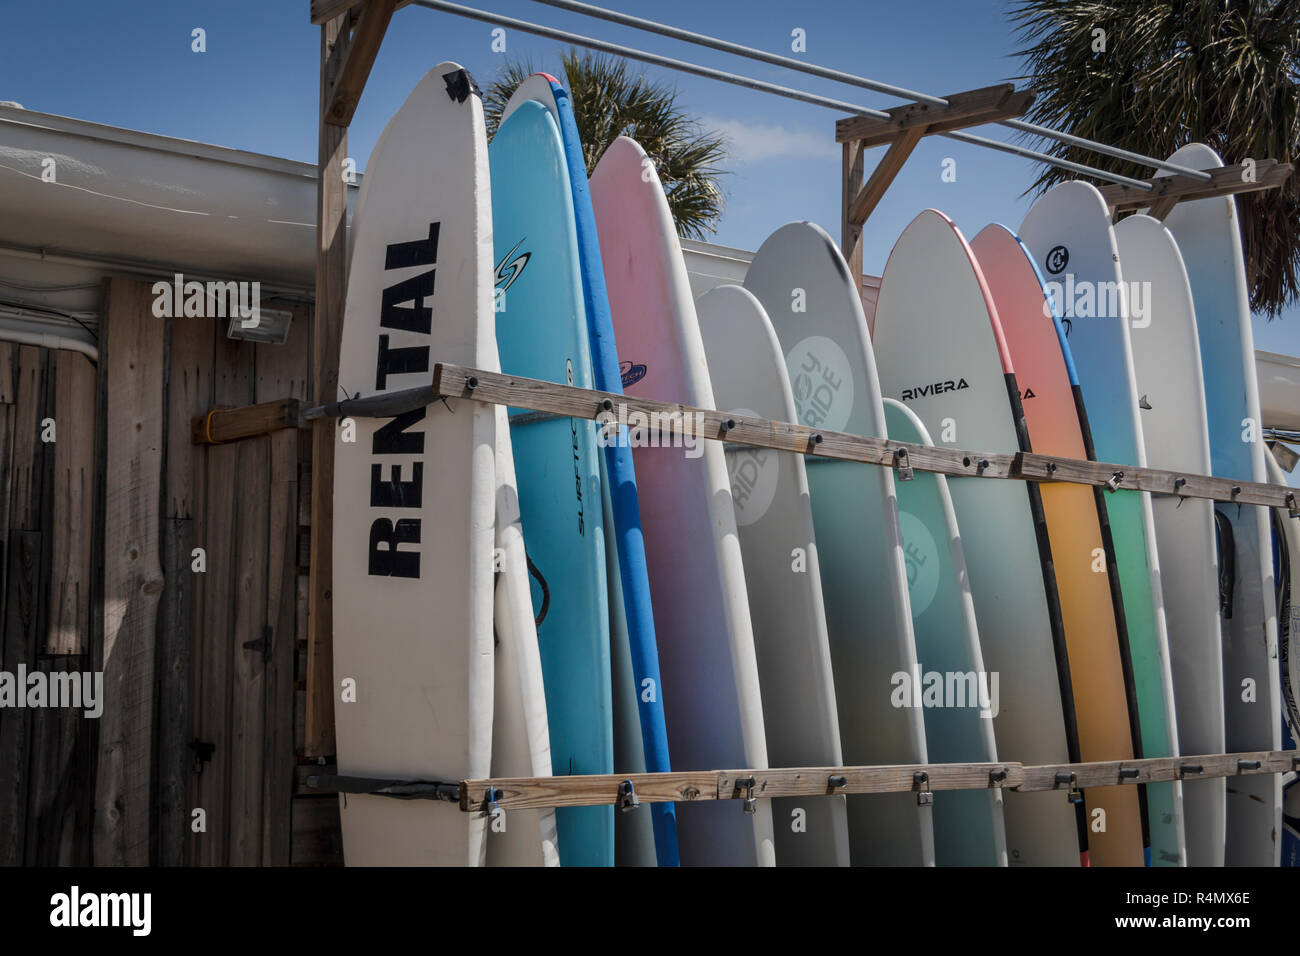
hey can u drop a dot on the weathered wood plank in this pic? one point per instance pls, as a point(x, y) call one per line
point(59, 815)
point(8, 356)
point(72, 499)
point(249, 650)
point(317, 835)
point(219, 425)
point(454, 382)
point(29, 450)
point(350, 80)
point(969, 108)
point(18, 645)
point(851, 232)
point(132, 352)
point(331, 290)
point(216, 645)
point(1224, 181)
point(189, 394)
point(282, 371)
point(175, 621)
point(1154, 769)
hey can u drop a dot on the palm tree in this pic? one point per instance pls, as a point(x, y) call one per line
point(1223, 72)
point(610, 100)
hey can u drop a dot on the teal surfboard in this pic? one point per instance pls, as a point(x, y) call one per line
point(542, 333)
point(968, 824)
point(638, 709)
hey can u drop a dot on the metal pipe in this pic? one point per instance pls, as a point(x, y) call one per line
point(759, 85)
point(839, 76)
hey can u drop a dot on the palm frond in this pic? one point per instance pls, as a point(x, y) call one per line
point(1223, 72)
point(610, 100)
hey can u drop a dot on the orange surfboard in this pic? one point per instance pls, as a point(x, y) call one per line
point(1080, 552)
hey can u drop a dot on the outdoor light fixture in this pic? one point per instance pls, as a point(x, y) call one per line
point(272, 327)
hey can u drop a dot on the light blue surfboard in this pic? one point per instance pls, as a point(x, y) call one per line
point(542, 333)
point(632, 616)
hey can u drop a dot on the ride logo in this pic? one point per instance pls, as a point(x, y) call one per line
point(402, 308)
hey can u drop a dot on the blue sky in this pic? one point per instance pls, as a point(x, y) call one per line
point(130, 64)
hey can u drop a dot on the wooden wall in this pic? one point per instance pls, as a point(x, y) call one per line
point(176, 569)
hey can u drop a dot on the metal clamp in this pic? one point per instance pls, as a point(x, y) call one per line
point(1115, 479)
point(1129, 773)
point(837, 782)
point(902, 464)
point(997, 777)
point(1192, 768)
point(490, 799)
point(748, 784)
point(1291, 505)
point(627, 799)
point(1072, 780)
point(726, 425)
point(924, 796)
point(1244, 765)
point(1178, 484)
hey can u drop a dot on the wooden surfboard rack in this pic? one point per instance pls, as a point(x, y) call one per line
point(630, 790)
point(670, 420)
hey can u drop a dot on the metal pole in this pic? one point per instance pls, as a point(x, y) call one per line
point(839, 76)
point(759, 85)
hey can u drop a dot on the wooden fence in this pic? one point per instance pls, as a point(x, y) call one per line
point(176, 570)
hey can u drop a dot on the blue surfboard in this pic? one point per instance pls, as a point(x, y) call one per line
point(617, 470)
point(542, 333)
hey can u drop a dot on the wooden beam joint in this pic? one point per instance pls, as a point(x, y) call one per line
point(1168, 191)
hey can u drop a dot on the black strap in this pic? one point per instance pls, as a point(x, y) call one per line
point(546, 591)
point(1223, 536)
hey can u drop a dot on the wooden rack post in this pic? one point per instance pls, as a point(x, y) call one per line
point(906, 126)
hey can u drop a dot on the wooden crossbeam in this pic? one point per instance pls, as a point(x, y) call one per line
point(454, 381)
point(522, 793)
point(231, 424)
point(988, 104)
point(359, 57)
point(323, 11)
point(1167, 191)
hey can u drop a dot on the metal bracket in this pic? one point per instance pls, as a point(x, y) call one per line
point(202, 753)
point(1291, 505)
point(262, 644)
point(924, 796)
point(1072, 781)
point(381, 787)
point(1245, 765)
point(1115, 479)
point(836, 782)
point(1129, 773)
point(1192, 768)
point(627, 799)
point(997, 777)
point(490, 798)
point(902, 464)
point(748, 784)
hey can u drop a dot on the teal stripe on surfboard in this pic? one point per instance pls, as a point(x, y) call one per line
point(541, 333)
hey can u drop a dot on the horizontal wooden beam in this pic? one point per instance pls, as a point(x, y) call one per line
point(1166, 191)
point(350, 80)
point(455, 381)
point(520, 793)
point(989, 104)
point(1046, 468)
point(322, 11)
point(230, 424)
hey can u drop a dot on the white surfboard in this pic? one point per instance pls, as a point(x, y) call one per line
point(414, 495)
point(710, 687)
point(521, 744)
point(782, 576)
point(1208, 237)
point(943, 354)
point(1167, 364)
point(803, 283)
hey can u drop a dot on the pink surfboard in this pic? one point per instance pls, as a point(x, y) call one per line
point(707, 662)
